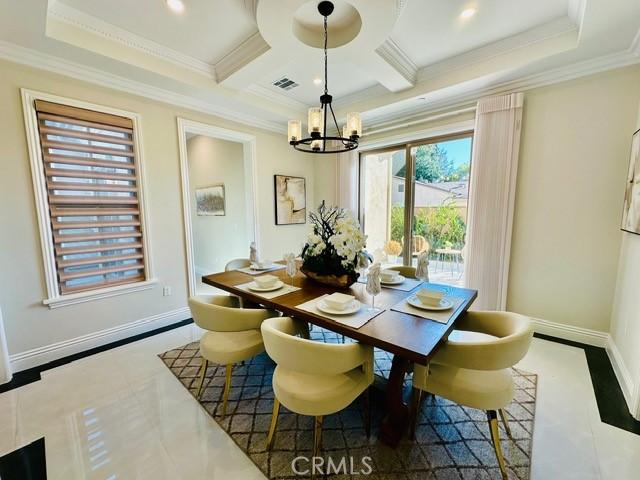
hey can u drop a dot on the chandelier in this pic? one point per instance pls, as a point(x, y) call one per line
point(318, 140)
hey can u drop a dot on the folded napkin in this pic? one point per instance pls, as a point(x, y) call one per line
point(422, 269)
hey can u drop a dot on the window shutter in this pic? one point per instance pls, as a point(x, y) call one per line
point(91, 179)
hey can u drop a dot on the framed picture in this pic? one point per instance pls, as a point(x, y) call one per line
point(290, 199)
point(210, 201)
point(631, 211)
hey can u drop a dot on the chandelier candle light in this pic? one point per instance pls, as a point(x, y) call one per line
point(318, 140)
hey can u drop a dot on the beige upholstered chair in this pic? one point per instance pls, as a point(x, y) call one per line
point(237, 263)
point(419, 244)
point(473, 367)
point(233, 334)
point(407, 272)
point(314, 378)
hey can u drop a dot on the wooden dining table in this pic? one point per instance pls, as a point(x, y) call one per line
point(411, 339)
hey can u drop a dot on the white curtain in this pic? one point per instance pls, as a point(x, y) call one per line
point(5, 366)
point(492, 187)
point(347, 181)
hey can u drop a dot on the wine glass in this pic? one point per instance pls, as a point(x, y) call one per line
point(362, 265)
point(373, 285)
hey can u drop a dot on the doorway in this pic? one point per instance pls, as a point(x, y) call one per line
point(413, 199)
point(218, 196)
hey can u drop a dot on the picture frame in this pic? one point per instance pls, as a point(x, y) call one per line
point(631, 206)
point(211, 201)
point(290, 200)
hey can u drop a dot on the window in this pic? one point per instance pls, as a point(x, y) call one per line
point(429, 205)
point(90, 200)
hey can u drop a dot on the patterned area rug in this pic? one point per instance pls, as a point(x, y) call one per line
point(452, 442)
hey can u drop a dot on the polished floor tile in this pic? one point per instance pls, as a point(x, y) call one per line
point(121, 414)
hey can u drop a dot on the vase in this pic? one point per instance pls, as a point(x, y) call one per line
point(338, 281)
point(392, 258)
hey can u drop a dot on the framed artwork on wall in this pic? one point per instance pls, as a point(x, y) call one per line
point(290, 200)
point(210, 201)
point(631, 209)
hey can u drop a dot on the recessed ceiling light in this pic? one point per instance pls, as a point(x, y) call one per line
point(468, 13)
point(317, 81)
point(176, 5)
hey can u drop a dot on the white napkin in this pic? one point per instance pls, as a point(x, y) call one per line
point(253, 253)
point(422, 269)
point(290, 260)
point(373, 280)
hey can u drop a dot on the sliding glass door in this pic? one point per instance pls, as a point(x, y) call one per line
point(413, 198)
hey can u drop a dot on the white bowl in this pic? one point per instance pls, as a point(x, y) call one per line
point(430, 297)
point(339, 301)
point(265, 281)
point(389, 275)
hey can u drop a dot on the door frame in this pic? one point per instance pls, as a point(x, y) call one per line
point(248, 141)
point(407, 142)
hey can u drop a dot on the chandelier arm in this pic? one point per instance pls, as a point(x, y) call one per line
point(336, 124)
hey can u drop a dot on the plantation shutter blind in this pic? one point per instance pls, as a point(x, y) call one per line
point(91, 180)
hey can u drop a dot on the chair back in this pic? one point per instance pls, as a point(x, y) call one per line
point(306, 356)
point(221, 313)
point(513, 334)
point(407, 272)
point(419, 244)
point(237, 263)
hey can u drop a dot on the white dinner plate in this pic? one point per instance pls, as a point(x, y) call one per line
point(397, 281)
point(324, 308)
point(415, 302)
point(253, 286)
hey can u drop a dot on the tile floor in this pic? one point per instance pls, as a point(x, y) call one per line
point(122, 415)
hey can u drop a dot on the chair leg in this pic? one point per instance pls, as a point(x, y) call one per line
point(274, 422)
point(416, 397)
point(366, 399)
point(317, 436)
point(203, 373)
point(227, 387)
point(505, 422)
point(495, 437)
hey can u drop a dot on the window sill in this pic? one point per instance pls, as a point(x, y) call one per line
point(75, 298)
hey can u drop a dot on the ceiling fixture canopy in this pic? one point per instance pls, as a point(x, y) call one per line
point(319, 141)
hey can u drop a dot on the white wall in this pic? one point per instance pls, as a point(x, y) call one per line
point(571, 175)
point(30, 325)
point(218, 239)
point(624, 346)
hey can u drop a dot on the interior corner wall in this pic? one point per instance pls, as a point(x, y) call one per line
point(31, 326)
point(574, 154)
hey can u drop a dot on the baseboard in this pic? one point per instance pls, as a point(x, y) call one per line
point(570, 332)
point(622, 374)
point(48, 353)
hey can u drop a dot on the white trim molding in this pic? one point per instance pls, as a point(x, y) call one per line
point(625, 379)
point(391, 53)
point(248, 141)
point(54, 297)
point(43, 61)
point(95, 26)
point(48, 353)
point(246, 52)
point(570, 332)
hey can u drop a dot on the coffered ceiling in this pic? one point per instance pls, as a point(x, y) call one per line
point(390, 59)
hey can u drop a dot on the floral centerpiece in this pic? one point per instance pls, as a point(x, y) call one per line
point(330, 255)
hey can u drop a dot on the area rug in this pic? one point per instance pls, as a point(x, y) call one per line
point(452, 442)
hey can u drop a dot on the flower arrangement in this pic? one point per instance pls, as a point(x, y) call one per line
point(331, 252)
point(393, 247)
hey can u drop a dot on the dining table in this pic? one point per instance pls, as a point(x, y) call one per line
point(409, 338)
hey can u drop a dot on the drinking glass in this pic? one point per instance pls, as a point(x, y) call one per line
point(292, 270)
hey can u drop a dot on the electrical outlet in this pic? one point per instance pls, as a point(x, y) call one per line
point(166, 291)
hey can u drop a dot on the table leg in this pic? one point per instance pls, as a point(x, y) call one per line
point(396, 419)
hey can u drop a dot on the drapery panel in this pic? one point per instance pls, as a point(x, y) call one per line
point(492, 188)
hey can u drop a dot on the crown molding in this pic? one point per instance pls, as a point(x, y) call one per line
point(251, 6)
point(71, 16)
point(276, 97)
point(42, 61)
point(550, 77)
point(635, 45)
point(555, 28)
point(400, 61)
point(246, 52)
